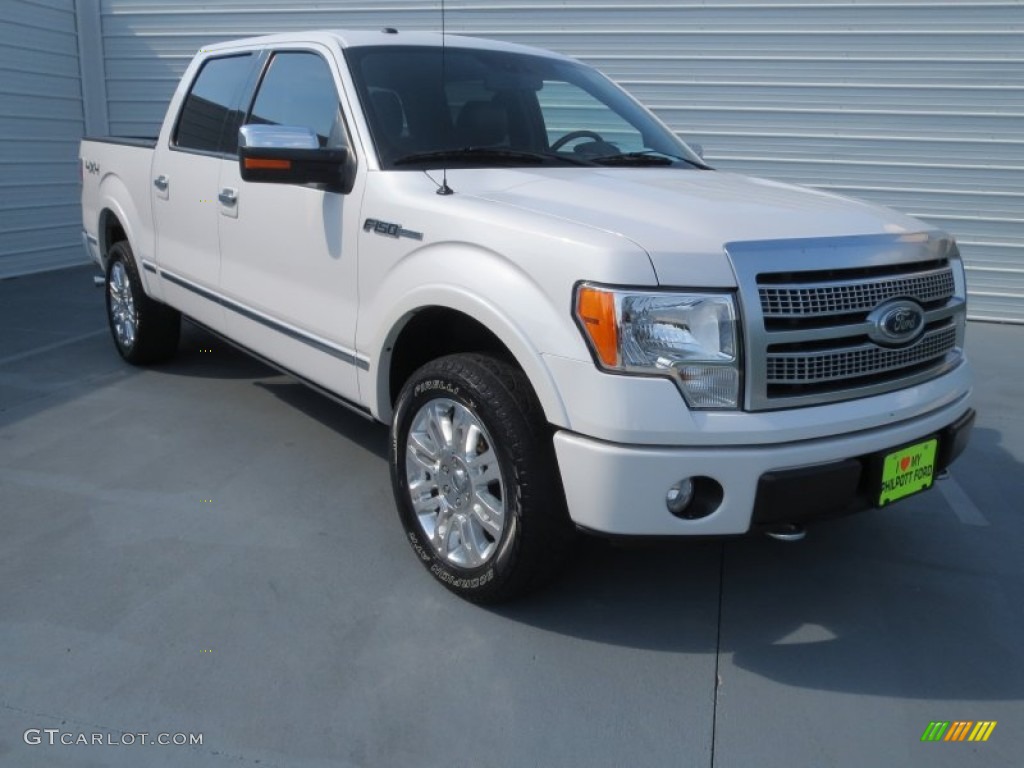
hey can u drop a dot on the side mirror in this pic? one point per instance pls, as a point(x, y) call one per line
point(285, 154)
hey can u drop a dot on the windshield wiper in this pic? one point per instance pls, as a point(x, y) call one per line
point(487, 154)
point(647, 157)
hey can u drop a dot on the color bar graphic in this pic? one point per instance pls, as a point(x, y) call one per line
point(958, 730)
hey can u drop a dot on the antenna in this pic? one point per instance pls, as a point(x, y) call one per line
point(444, 189)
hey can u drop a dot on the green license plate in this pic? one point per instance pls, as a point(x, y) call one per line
point(908, 471)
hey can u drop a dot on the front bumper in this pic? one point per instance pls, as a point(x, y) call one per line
point(620, 489)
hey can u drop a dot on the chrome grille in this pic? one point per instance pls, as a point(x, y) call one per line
point(811, 330)
point(854, 296)
point(815, 367)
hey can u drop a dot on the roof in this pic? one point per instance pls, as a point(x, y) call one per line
point(347, 38)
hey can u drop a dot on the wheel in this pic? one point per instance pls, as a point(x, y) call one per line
point(475, 478)
point(144, 330)
point(572, 136)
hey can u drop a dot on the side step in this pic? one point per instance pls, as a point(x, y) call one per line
point(788, 532)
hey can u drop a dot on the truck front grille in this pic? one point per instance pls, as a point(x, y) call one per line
point(823, 369)
point(812, 334)
point(855, 295)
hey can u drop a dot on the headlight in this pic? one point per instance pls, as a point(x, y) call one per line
point(691, 338)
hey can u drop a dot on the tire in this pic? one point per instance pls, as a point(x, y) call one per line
point(479, 494)
point(144, 330)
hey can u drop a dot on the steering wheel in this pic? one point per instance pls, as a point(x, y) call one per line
point(572, 136)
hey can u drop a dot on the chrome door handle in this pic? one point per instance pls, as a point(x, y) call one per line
point(161, 182)
point(228, 196)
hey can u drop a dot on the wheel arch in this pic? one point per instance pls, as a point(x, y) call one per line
point(111, 231)
point(434, 330)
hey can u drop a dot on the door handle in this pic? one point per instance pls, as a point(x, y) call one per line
point(161, 182)
point(228, 196)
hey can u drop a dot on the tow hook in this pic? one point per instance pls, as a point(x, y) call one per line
point(787, 532)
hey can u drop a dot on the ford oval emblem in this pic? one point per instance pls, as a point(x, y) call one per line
point(896, 322)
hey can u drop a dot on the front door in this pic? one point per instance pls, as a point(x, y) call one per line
point(288, 255)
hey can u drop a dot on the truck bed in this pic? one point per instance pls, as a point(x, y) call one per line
point(146, 142)
point(116, 176)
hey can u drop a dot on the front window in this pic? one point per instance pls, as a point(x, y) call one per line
point(485, 108)
point(298, 90)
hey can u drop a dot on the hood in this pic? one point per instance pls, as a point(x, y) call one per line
point(683, 219)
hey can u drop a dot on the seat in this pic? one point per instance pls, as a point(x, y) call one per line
point(481, 124)
point(390, 118)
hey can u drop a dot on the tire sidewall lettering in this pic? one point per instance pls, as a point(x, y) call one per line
point(441, 573)
point(422, 552)
point(446, 389)
point(437, 385)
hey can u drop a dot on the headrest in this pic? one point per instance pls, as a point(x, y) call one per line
point(388, 109)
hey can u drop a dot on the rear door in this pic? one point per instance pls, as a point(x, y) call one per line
point(185, 173)
point(288, 257)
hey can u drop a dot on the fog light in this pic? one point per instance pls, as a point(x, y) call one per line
point(679, 497)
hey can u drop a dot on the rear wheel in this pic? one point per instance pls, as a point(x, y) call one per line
point(475, 478)
point(144, 330)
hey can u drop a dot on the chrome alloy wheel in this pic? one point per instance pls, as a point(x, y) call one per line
point(454, 483)
point(122, 306)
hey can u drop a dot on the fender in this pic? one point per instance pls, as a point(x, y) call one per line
point(485, 286)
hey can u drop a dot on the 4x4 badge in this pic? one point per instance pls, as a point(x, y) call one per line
point(388, 229)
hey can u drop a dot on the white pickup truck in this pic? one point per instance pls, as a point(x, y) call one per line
point(568, 318)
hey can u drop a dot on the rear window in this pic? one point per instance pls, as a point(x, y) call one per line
point(212, 114)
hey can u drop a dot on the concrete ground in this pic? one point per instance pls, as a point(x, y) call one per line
point(209, 548)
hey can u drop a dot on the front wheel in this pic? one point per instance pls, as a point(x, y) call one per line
point(475, 478)
point(144, 330)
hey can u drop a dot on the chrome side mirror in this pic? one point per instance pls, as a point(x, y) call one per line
point(277, 137)
point(288, 154)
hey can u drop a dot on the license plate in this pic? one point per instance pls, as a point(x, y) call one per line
point(908, 471)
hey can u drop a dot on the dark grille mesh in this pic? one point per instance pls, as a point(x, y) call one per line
point(817, 367)
point(853, 296)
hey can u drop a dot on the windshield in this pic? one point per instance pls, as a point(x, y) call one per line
point(497, 108)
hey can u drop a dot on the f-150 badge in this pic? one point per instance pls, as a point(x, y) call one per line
point(388, 229)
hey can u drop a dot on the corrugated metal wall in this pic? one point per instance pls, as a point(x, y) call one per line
point(917, 104)
point(40, 125)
